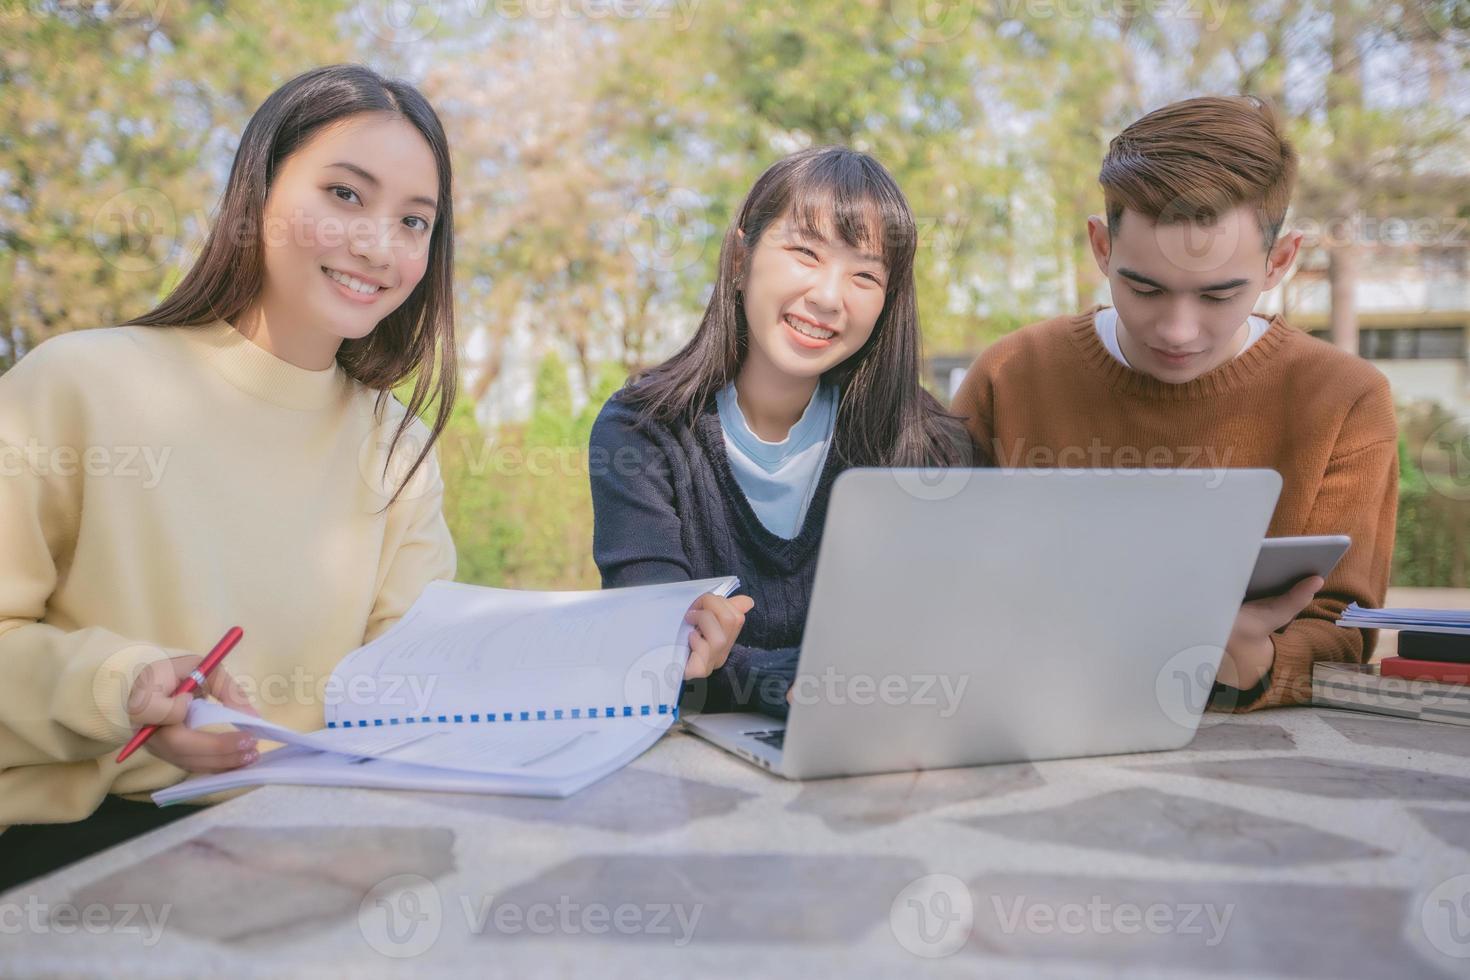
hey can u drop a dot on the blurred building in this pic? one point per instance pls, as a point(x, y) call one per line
point(1413, 318)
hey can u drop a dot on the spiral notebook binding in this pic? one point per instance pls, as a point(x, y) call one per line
point(546, 714)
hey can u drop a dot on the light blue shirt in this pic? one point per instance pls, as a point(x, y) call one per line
point(780, 478)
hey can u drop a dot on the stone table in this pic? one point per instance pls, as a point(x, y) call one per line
point(1300, 842)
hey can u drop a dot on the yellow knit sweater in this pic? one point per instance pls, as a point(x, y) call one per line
point(1050, 395)
point(159, 485)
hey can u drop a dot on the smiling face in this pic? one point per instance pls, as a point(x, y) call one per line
point(810, 301)
point(1183, 291)
point(347, 227)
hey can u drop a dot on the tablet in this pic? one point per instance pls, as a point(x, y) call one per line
point(1283, 562)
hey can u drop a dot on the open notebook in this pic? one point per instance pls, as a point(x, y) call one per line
point(487, 690)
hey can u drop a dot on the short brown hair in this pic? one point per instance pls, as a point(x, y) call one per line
point(1197, 159)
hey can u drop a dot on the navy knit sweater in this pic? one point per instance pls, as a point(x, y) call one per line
point(667, 509)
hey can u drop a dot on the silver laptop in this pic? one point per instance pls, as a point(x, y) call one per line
point(967, 617)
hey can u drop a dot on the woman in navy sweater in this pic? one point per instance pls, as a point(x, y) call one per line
point(720, 461)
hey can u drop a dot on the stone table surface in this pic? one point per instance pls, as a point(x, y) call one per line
point(1300, 842)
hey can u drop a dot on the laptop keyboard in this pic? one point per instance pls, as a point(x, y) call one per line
point(775, 738)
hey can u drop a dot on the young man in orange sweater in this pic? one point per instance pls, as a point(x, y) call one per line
point(1179, 373)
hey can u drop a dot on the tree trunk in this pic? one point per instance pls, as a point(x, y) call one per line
point(1344, 106)
point(1344, 260)
point(486, 376)
point(1457, 518)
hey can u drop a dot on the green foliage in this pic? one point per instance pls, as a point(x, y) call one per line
point(609, 378)
point(1432, 547)
point(711, 106)
point(113, 118)
point(476, 505)
point(518, 502)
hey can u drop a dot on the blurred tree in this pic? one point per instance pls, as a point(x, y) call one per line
point(1372, 91)
point(1433, 543)
point(707, 107)
point(116, 129)
point(546, 195)
point(599, 159)
point(551, 419)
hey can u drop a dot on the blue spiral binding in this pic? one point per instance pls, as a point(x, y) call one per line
point(540, 714)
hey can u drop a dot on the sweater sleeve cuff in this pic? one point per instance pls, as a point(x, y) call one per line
point(751, 680)
point(1289, 680)
point(104, 717)
point(770, 685)
point(1227, 698)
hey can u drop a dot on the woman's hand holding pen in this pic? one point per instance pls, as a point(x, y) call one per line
point(152, 702)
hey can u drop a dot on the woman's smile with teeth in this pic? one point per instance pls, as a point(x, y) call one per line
point(809, 330)
point(352, 282)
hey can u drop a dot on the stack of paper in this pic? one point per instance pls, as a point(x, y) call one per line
point(487, 690)
point(1420, 620)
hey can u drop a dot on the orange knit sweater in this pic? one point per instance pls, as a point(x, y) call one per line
point(1051, 395)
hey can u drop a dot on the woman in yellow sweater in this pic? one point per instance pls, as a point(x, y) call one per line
point(232, 457)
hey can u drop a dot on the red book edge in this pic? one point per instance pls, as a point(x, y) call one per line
point(1425, 670)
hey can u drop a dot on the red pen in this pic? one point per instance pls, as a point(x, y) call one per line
point(193, 682)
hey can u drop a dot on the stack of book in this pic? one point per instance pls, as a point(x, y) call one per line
point(1428, 680)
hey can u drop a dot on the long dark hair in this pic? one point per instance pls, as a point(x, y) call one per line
point(885, 417)
point(415, 339)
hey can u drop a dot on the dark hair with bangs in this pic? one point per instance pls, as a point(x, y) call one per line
point(885, 417)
